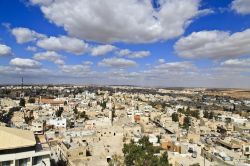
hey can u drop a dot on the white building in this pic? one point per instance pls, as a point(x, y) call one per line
point(58, 122)
point(153, 139)
point(19, 147)
point(38, 127)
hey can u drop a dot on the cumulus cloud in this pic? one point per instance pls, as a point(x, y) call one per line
point(161, 60)
point(124, 52)
point(63, 43)
point(4, 50)
point(214, 44)
point(166, 74)
point(76, 69)
point(177, 66)
point(205, 12)
point(117, 63)
point(49, 56)
point(31, 48)
point(241, 6)
point(24, 35)
point(25, 63)
point(87, 63)
point(121, 21)
point(130, 54)
point(41, 2)
point(102, 50)
point(237, 63)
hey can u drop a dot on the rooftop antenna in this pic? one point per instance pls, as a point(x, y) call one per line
point(22, 95)
point(22, 84)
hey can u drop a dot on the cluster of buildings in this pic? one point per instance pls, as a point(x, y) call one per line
point(90, 126)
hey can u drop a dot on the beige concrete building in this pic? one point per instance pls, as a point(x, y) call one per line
point(71, 151)
point(38, 127)
point(243, 129)
point(20, 147)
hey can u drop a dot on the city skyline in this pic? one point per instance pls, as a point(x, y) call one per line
point(187, 43)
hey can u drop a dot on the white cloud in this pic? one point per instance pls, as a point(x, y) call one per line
point(121, 21)
point(117, 63)
point(49, 56)
point(87, 63)
point(4, 50)
point(124, 52)
point(214, 44)
point(136, 54)
point(161, 60)
point(31, 48)
point(102, 50)
point(177, 66)
point(63, 43)
point(25, 63)
point(24, 35)
point(139, 54)
point(237, 63)
point(75, 69)
point(15, 72)
point(41, 2)
point(241, 6)
point(184, 74)
point(205, 12)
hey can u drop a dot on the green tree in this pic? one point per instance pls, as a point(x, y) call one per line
point(83, 115)
point(28, 120)
point(22, 102)
point(223, 131)
point(186, 122)
point(163, 161)
point(32, 100)
point(211, 115)
point(195, 114)
point(175, 117)
point(59, 112)
point(181, 110)
point(228, 120)
point(103, 104)
point(206, 114)
point(75, 110)
point(142, 154)
point(117, 160)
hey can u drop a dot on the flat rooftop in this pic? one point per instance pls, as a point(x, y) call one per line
point(12, 138)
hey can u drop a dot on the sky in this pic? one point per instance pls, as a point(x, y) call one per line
point(166, 43)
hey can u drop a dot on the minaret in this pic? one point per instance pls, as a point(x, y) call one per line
point(111, 116)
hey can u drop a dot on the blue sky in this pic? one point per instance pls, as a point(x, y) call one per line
point(188, 43)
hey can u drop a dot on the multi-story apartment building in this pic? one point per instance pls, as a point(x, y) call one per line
point(22, 148)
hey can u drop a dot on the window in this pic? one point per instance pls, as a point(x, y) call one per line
point(23, 162)
point(5, 163)
point(81, 153)
point(37, 160)
point(247, 149)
